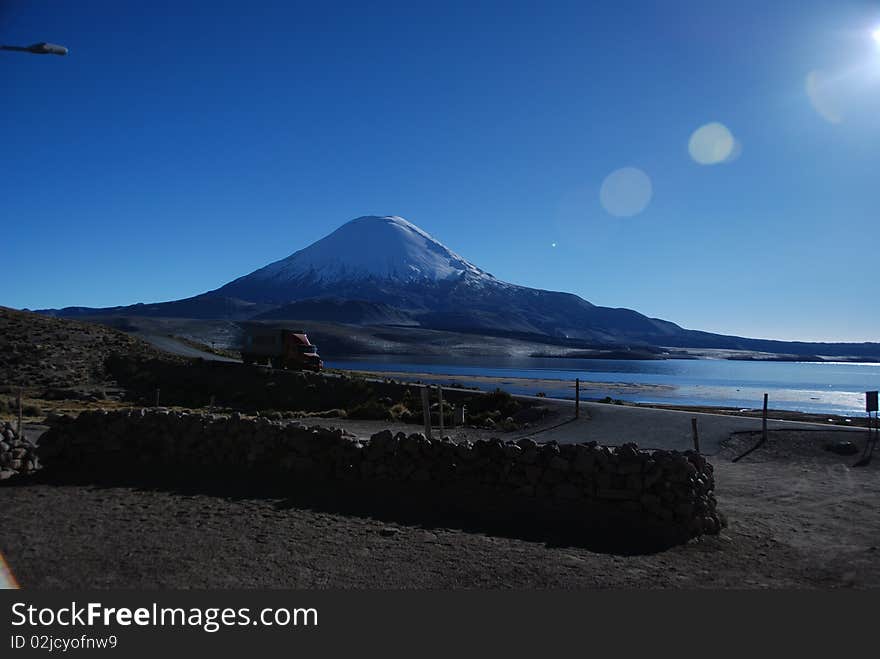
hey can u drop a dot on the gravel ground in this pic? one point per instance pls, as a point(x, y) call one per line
point(799, 518)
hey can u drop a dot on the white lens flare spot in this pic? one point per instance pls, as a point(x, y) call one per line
point(875, 35)
point(552, 244)
point(824, 96)
point(626, 192)
point(712, 144)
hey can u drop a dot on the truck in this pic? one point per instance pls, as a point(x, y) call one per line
point(280, 348)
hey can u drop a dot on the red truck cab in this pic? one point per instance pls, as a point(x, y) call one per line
point(280, 348)
point(300, 352)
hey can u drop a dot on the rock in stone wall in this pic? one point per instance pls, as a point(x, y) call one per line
point(663, 489)
point(17, 454)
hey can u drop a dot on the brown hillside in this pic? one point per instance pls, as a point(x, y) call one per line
point(40, 351)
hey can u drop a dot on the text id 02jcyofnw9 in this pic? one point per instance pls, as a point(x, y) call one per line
point(61, 643)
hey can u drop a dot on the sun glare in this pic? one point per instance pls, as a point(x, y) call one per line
point(876, 36)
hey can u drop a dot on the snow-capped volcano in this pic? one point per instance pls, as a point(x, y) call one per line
point(387, 261)
point(375, 258)
point(385, 270)
point(372, 247)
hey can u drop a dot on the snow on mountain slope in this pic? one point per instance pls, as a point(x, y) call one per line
point(373, 247)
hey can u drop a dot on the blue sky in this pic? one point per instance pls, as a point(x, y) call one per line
point(183, 144)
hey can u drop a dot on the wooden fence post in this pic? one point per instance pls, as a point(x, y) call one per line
point(440, 401)
point(695, 434)
point(577, 398)
point(763, 433)
point(764, 421)
point(426, 409)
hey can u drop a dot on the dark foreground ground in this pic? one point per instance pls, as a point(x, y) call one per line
point(798, 517)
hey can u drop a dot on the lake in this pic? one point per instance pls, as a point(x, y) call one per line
point(830, 387)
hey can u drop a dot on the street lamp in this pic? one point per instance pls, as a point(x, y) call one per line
point(41, 48)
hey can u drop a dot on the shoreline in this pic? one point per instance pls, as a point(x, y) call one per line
point(608, 388)
point(789, 359)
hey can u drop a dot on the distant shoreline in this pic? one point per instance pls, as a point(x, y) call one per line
point(608, 390)
point(649, 356)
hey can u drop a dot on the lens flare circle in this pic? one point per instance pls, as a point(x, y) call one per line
point(711, 144)
point(626, 192)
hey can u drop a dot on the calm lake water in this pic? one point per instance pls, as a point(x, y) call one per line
point(829, 387)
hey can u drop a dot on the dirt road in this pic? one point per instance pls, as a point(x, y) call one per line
point(613, 425)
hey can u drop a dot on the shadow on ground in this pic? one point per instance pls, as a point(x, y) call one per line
point(479, 511)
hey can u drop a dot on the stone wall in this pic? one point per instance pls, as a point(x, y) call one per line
point(662, 492)
point(17, 454)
